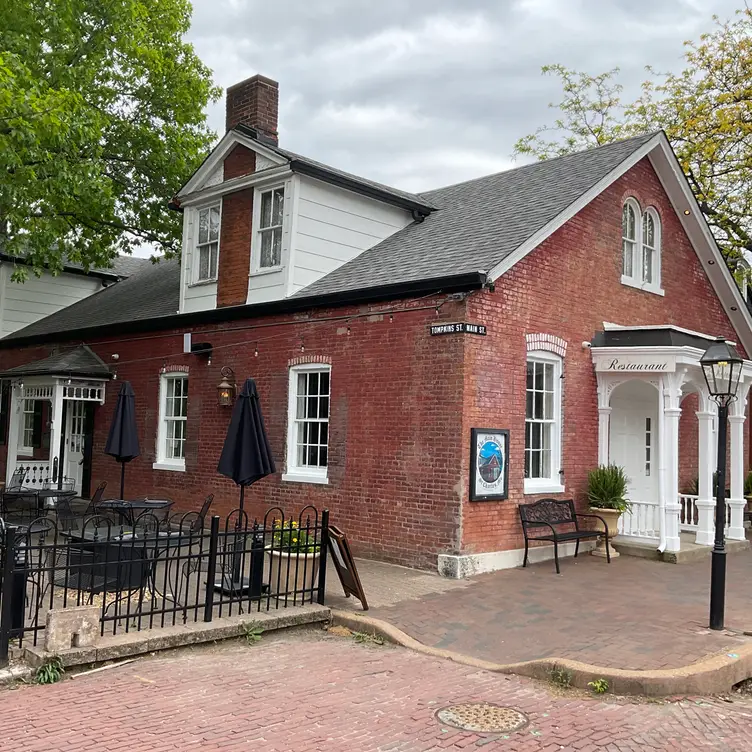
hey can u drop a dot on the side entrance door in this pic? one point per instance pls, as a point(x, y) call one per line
point(75, 440)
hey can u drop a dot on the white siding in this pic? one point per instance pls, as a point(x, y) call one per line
point(334, 226)
point(22, 304)
point(198, 297)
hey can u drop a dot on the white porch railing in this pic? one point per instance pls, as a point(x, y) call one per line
point(37, 472)
point(689, 516)
point(641, 521)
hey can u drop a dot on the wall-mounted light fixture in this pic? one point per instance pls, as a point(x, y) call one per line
point(226, 387)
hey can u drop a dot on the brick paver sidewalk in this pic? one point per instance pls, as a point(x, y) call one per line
point(305, 693)
point(633, 613)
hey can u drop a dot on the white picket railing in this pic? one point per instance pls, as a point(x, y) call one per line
point(37, 472)
point(641, 521)
point(689, 516)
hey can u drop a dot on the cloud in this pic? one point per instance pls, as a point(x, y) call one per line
point(424, 93)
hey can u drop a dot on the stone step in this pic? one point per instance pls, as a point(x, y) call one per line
point(690, 551)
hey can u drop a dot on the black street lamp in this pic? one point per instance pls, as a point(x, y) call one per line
point(722, 368)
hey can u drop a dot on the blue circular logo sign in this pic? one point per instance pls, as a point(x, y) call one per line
point(490, 461)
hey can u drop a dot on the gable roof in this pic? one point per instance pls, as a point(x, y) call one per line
point(479, 230)
point(80, 361)
point(121, 267)
point(283, 159)
point(479, 222)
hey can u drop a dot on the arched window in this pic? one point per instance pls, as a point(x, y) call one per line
point(628, 238)
point(650, 247)
point(641, 247)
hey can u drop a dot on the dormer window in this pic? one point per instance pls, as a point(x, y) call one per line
point(207, 247)
point(641, 247)
point(270, 228)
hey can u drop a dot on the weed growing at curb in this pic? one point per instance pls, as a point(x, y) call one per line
point(50, 671)
point(253, 633)
point(365, 638)
point(599, 686)
point(560, 677)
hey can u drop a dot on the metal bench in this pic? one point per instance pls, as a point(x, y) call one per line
point(551, 514)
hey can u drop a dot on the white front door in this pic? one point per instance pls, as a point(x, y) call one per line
point(74, 443)
point(634, 437)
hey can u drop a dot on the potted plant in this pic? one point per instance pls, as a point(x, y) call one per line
point(607, 497)
point(294, 556)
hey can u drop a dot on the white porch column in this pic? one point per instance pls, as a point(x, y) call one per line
point(604, 419)
point(16, 413)
point(706, 461)
point(672, 383)
point(736, 502)
point(56, 428)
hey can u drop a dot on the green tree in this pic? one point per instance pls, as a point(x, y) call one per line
point(706, 112)
point(101, 120)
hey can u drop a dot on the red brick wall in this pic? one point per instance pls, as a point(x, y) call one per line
point(688, 443)
point(395, 449)
point(568, 287)
point(235, 248)
point(240, 161)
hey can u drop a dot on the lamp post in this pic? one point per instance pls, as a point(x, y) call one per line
point(722, 368)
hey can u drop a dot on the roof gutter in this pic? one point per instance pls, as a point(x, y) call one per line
point(447, 284)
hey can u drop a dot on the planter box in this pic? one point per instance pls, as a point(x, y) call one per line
point(292, 572)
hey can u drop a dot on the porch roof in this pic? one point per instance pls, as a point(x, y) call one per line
point(80, 361)
point(651, 336)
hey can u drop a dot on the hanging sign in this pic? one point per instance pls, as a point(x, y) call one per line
point(489, 464)
point(459, 327)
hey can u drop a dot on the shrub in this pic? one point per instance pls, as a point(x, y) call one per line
point(607, 488)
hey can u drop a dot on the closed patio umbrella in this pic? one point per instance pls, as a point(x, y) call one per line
point(122, 441)
point(246, 455)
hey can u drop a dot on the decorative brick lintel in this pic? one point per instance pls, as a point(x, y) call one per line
point(301, 359)
point(546, 342)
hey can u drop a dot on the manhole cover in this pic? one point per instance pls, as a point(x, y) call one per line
point(480, 716)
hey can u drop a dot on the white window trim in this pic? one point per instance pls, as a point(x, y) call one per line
point(163, 462)
point(294, 473)
point(23, 450)
point(552, 484)
point(195, 281)
point(256, 269)
point(636, 280)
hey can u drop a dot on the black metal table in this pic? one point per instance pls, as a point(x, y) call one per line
point(43, 496)
point(130, 510)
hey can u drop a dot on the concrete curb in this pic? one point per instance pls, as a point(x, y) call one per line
point(712, 675)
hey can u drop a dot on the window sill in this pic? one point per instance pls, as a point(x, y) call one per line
point(270, 270)
point(542, 486)
point(174, 467)
point(302, 477)
point(654, 289)
point(203, 283)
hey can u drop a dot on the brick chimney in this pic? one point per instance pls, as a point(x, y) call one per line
point(254, 102)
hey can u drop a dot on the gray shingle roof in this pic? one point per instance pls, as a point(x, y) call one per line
point(478, 222)
point(80, 361)
point(152, 292)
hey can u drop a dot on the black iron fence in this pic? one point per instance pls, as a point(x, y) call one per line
point(158, 573)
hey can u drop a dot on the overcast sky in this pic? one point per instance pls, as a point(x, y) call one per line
point(423, 93)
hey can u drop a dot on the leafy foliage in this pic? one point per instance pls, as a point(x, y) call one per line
point(367, 638)
point(705, 110)
point(607, 488)
point(290, 537)
point(101, 121)
point(560, 677)
point(50, 672)
point(599, 686)
point(253, 633)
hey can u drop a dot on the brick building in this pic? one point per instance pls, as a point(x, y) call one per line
point(587, 288)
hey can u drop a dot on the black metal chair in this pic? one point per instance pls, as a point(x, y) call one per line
point(191, 522)
point(96, 497)
point(18, 502)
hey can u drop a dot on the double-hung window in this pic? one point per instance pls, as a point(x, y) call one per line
point(207, 246)
point(543, 423)
point(641, 247)
point(27, 433)
point(308, 423)
point(173, 416)
point(270, 228)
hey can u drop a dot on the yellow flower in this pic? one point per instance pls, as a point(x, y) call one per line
point(294, 524)
point(294, 540)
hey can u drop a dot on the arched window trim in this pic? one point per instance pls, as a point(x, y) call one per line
point(629, 268)
point(637, 278)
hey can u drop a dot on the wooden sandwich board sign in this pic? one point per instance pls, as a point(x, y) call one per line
point(345, 565)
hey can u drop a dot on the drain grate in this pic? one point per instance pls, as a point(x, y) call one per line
point(483, 717)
